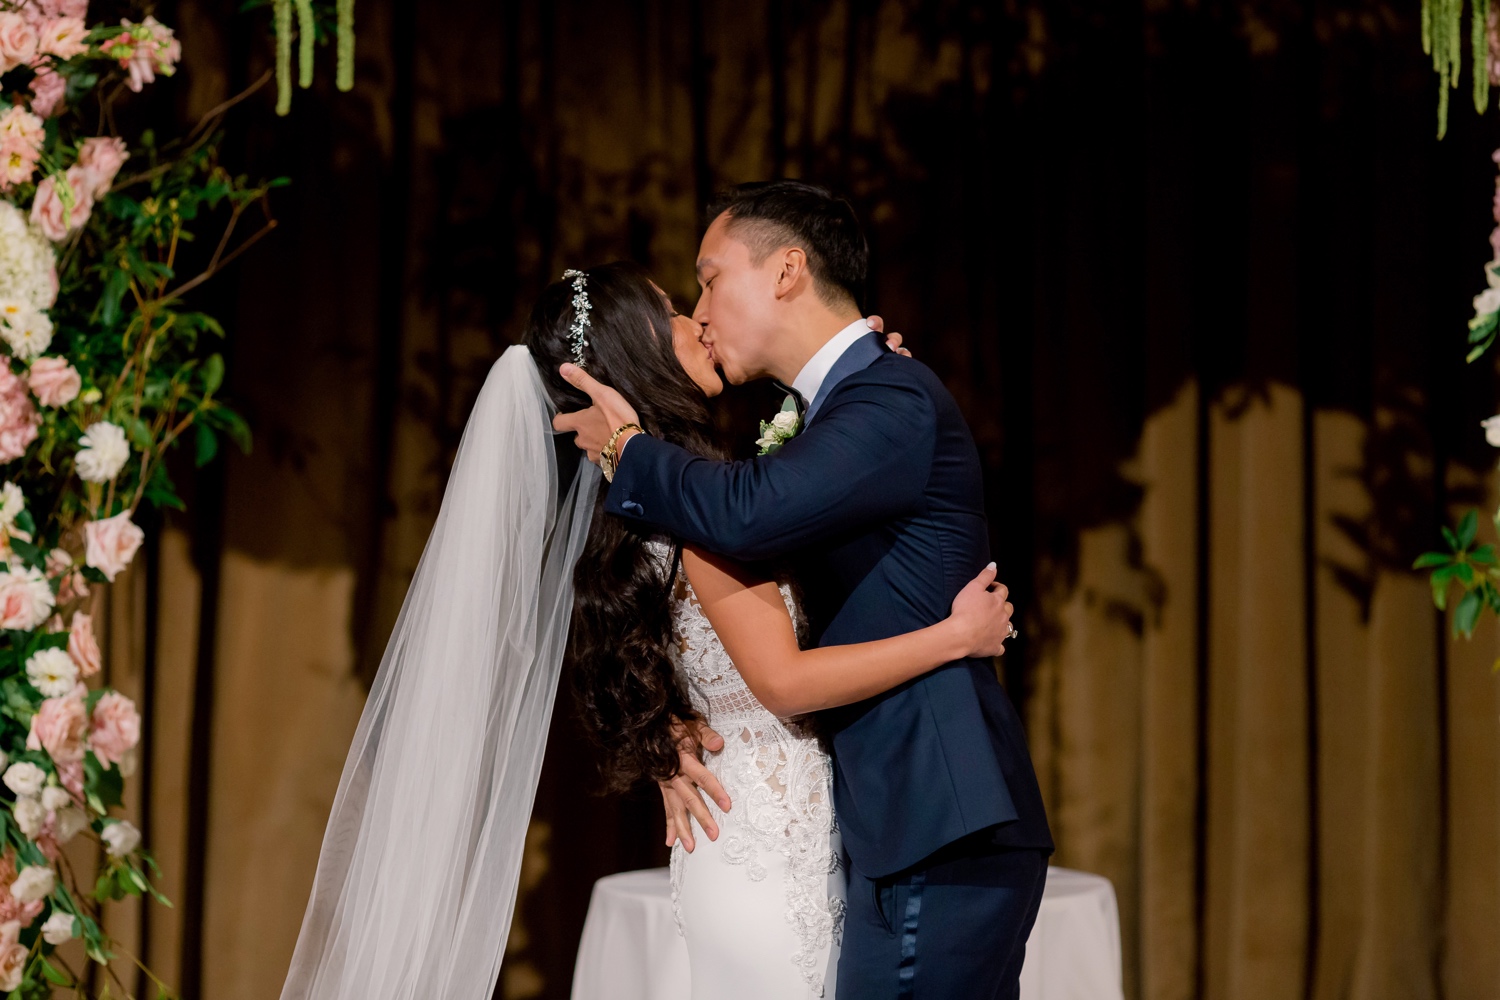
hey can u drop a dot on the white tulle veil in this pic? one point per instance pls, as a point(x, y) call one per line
point(416, 883)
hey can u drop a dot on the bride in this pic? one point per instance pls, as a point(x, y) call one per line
point(416, 882)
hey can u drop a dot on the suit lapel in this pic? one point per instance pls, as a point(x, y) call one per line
point(860, 355)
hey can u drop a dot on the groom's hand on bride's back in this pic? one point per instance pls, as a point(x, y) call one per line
point(682, 796)
point(597, 424)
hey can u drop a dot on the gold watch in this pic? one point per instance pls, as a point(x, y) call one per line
point(608, 458)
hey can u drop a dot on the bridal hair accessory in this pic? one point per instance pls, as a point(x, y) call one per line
point(581, 306)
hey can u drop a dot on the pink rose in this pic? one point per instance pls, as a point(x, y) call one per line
point(148, 49)
point(50, 89)
point(59, 727)
point(18, 41)
point(63, 37)
point(18, 418)
point(25, 599)
point(51, 216)
point(21, 136)
point(43, 9)
point(100, 158)
point(70, 773)
point(54, 381)
point(83, 647)
point(111, 544)
point(116, 728)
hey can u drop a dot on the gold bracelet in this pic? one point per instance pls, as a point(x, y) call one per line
point(608, 459)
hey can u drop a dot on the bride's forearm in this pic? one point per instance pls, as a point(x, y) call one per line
point(815, 679)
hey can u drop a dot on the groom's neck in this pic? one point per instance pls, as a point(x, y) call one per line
point(804, 334)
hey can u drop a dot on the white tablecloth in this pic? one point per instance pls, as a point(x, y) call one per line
point(631, 950)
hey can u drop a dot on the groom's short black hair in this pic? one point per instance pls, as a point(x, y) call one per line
point(767, 215)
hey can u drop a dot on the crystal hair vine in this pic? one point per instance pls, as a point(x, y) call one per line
point(578, 332)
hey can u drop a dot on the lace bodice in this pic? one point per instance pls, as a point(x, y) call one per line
point(775, 772)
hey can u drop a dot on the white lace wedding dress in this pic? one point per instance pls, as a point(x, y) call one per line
point(762, 907)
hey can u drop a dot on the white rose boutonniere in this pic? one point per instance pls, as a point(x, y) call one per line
point(780, 429)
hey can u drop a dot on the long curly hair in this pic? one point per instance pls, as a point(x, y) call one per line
point(620, 672)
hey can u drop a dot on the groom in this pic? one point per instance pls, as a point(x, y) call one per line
point(878, 505)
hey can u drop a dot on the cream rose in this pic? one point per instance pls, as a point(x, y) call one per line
point(30, 816)
point(58, 929)
point(25, 778)
point(120, 838)
point(103, 453)
point(111, 544)
point(52, 672)
point(34, 883)
point(71, 821)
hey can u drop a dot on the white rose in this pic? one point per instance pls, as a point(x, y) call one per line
point(12, 502)
point(33, 883)
point(1492, 427)
point(58, 929)
point(30, 815)
point(120, 838)
point(24, 778)
point(104, 452)
point(71, 821)
point(28, 332)
point(785, 423)
point(54, 798)
point(1487, 301)
point(52, 672)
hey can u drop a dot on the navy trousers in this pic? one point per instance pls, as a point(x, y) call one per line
point(954, 926)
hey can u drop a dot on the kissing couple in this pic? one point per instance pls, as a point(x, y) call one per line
point(797, 647)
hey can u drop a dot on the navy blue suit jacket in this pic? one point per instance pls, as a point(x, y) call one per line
point(878, 504)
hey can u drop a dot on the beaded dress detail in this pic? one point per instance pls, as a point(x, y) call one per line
point(777, 776)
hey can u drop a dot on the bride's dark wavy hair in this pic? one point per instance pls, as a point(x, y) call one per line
point(622, 624)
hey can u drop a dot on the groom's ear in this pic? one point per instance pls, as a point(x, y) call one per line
point(792, 270)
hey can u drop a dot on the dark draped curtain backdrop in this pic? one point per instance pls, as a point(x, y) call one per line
point(1197, 272)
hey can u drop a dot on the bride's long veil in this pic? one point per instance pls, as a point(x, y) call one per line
point(416, 882)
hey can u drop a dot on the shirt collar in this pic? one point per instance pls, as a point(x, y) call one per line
point(810, 379)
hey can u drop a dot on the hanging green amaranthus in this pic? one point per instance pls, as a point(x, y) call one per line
point(307, 31)
point(1442, 39)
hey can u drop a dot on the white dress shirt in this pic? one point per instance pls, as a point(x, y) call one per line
point(810, 379)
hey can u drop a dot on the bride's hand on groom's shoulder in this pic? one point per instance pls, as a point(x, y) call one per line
point(892, 340)
point(981, 615)
point(682, 796)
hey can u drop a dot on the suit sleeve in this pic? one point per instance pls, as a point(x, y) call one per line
point(865, 460)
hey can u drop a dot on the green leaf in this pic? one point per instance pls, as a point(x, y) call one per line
point(1467, 529)
point(1446, 573)
point(1466, 615)
point(213, 374)
point(26, 522)
point(1465, 573)
point(93, 575)
point(138, 432)
point(1440, 594)
point(208, 445)
point(1427, 560)
point(1484, 555)
point(53, 975)
point(1450, 538)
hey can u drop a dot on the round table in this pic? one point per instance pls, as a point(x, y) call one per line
point(631, 949)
